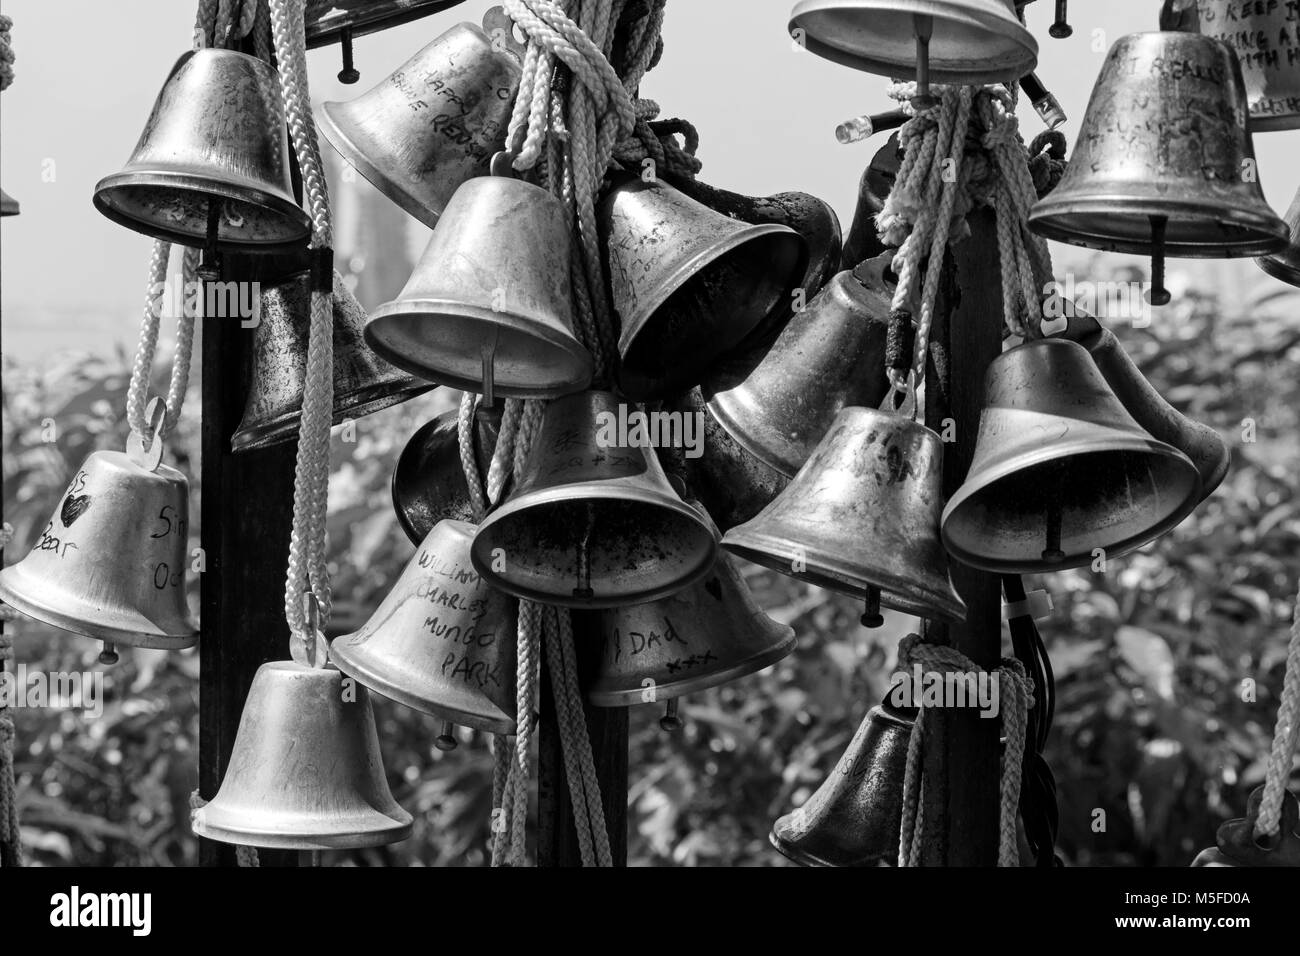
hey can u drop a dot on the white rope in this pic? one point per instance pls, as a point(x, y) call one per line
point(1286, 735)
point(11, 848)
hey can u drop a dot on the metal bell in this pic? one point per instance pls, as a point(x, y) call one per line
point(863, 240)
point(442, 641)
point(593, 522)
point(947, 41)
point(830, 356)
point(1061, 469)
point(489, 306)
point(688, 283)
point(855, 816)
point(704, 635)
point(305, 771)
point(363, 382)
point(110, 563)
point(1285, 265)
point(862, 517)
point(1164, 163)
point(213, 160)
point(434, 123)
point(330, 21)
point(1263, 35)
point(8, 205)
point(429, 483)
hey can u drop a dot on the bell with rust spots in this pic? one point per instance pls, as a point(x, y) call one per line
point(1061, 469)
point(8, 205)
point(854, 817)
point(488, 308)
point(436, 122)
point(1164, 163)
point(429, 483)
point(305, 772)
point(1264, 37)
point(704, 635)
point(212, 166)
point(862, 517)
point(110, 563)
point(822, 362)
point(363, 382)
point(442, 641)
point(1285, 265)
point(966, 42)
point(593, 521)
point(688, 283)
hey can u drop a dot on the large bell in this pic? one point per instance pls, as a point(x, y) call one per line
point(854, 817)
point(442, 641)
point(704, 635)
point(830, 356)
point(593, 521)
point(1285, 265)
point(1061, 469)
point(489, 306)
point(689, 283)
point(1264, 37)
point(8, 205)
point(110, 563)
point(862, 517)
point(429, 483)
point(947, 41)
point(214, 152)
point(1164, 163)
point(435, 122)
point(305, 772)
point(363, 382)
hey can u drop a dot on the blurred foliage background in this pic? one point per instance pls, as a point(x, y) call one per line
point(1150, 657)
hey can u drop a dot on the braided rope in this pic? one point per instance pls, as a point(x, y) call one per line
point(1285, 737)
point(468, 456)
point(11, 848)
point(502, 465)
point(6, 52)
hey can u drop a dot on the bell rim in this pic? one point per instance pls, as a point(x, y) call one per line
point(411, 455)
point(64, 619)
point(1269, 234)
point(744, 668)
point(1272, 123)
point(285, 840)
point(400, 313)
point(1279, 270)
point(721, 414)
point(279, 205)
point(330, 34)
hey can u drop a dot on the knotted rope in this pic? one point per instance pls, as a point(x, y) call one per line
point(1015, 698)
point(1286, 736)
point(6, 52)
point(11, 848)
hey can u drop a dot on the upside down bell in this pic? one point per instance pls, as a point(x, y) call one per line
point(429, 483)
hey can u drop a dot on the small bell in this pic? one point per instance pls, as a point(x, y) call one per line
point(1285, 264)
point(1263, 37)
point(305, 771)
point(429, 483)
point(363, 382)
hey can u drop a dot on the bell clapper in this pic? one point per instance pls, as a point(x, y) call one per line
point(349, 73)
point(446, 739)
point(309, 858)
point(1052, 513)
point(863, 127)
point(670, 722)
point(489, 373)
point(583, 590)
point(1059, 30)
point(210, 265)
point(1158, 294)
point(871, 616)
point(108, 656)
point(1045, 103)
point(923, 26)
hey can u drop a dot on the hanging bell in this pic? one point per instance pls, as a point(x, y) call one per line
point(1285, 265)
point(593, 521)
point(442, 641)
point(363, 382)
point(689, 284)
point(946, 41)
point(213, 161)
point(8, 205)
point(1264, 37)
point(1238, 845)
point(861, 517)
point(1061, 470)
point(305, 772)
point(434, 123)
point(429, 483)
point(863, 240)
point(1164, 163)
point(704, 635)
point(830, 356)
point(855, 817)
point(488, 308)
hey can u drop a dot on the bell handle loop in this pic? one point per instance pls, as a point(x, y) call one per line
point(310, 649)
point(500, 29)
point(901, 397)
point(149, 456)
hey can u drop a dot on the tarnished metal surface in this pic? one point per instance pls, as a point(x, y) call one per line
point(831, 355)
point(441, 641)
point(1164, 135)
point(111, 561)
point(862, 512)
point(704, 635)
point(854, 817)
point(494, 278)
point(216, 134)
point(1265, 36)
point(1285, 265)
point(305, 772)
point(1053, 438)
point(363, 382)
point(327, 19)
point(688, 283)
point(581, 496)
point(435, 122)
point(863, 241)
point(974, 41)
point(429, 483)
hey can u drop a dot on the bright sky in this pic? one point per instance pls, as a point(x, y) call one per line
point(88, 71)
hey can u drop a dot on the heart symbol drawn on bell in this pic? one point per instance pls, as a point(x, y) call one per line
point(74, 506)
